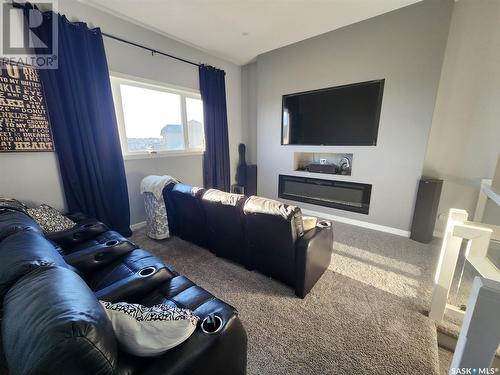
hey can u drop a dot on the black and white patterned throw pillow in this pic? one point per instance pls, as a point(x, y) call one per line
point(49, 219)
point(7, 204)
point(149, 331)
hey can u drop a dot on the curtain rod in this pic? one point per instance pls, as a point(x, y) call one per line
point(153, 51)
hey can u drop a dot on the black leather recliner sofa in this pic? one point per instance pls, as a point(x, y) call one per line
point(259, 233)
point(52, 322)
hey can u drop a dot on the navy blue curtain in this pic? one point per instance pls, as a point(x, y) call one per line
point(216, 167)
point(82, 117)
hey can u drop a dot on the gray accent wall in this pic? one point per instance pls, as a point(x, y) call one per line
point(464, 144)
point(406, 47)
point(249, 110)
point(35, 177)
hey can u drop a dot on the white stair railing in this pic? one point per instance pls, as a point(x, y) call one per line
point(478, 236)
point(480, 334)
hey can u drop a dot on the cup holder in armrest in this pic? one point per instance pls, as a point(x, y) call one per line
point(147, 271)
point(324, 224)
point(111, 243)
point(211, 324)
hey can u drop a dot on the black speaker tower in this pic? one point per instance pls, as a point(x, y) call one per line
point(426, 207)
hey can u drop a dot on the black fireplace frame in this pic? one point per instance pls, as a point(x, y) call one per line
point(366, 188)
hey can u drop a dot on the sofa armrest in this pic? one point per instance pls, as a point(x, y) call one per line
point(81, 232)
point(99, 255)
point(313, 253)
point(224, 352)
point(133, 287)
point(76, 216)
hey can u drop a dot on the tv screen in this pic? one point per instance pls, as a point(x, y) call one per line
point(342, 115)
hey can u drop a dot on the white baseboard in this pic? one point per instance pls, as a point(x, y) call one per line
point(359, 223)
point(137, 226)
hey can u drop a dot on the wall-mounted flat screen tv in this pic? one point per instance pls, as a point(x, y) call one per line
point(343, 115)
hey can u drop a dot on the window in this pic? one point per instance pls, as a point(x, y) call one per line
point(157, 120)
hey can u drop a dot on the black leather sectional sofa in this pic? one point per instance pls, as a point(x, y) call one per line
point(259, 233)
point(52, 322)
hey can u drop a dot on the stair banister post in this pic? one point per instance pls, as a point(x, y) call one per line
point(450, 249)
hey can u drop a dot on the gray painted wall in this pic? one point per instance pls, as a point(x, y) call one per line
point(249, 109)
point(35, 176)
point(405, 47)
point(465, 137)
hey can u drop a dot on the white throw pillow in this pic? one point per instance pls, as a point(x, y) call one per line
point(149, 331)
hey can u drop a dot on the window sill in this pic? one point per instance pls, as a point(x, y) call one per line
point(164, 154)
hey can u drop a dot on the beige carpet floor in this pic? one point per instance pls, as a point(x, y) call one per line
point(363, 317)
point(445, 357)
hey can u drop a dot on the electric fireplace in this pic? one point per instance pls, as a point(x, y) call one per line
point(343, 195)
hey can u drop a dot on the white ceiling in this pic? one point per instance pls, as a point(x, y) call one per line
point(240, 30)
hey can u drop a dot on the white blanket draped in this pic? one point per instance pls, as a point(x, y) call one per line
point(155, 184)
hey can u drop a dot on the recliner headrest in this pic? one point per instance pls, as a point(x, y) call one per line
point(265, 206)
point(23, 248)
point(53, 323)
point(14, 221)
point(187, 189)
point(229, 199)
point(260, 205)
